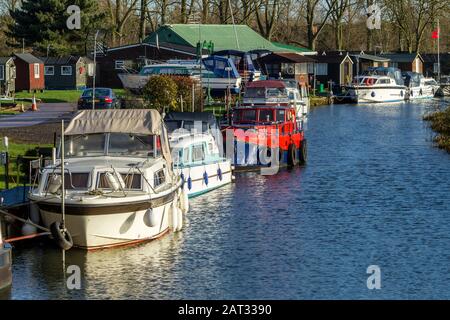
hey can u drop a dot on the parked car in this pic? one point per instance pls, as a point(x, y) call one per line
point(105, 98)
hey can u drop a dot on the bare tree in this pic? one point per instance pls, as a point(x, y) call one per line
point(315, 22)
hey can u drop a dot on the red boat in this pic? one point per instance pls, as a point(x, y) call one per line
point(265, 134)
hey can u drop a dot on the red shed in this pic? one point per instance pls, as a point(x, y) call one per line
point(29, 72)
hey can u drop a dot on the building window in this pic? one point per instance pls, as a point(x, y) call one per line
point(119, 64)
point(66, 70)
point(49, 70)
point(436, 67)
point(2, 72)
point(37, 71)
point(310, 67)
point(394, 64)
point(321, 69)
point(90, 69)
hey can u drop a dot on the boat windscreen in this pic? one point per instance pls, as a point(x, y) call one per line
point(111, 144)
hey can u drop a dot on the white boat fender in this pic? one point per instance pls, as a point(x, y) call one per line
point(28, 229)
point(61, 236)
point(180, 219)
point(174, 212)
point(184, 201)
point(150, 219)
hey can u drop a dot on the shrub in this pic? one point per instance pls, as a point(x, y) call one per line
point(161, 93)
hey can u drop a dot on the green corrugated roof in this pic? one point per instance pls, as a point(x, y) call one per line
point(289, 47)
point(222, 35)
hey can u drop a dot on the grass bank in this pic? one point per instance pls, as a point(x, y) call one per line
point(440, 123)
point(59, 96)
point(17, 170)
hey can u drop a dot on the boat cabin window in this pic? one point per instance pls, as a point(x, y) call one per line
point(198, 153)
point(85, 145)
point(248, 115)
point(281, 115)
point(112, 144)
point(383, 81)
point(266, 115)
point(131, 181)
point(72, 181)
point(159, 178)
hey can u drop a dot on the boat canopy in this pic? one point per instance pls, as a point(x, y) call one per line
point(135, 121)
point(131, 121)
point(204, 117)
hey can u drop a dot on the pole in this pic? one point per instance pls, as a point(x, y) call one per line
point(63, 195)
point(234, 26)
point(7, 170)
point(95, 70)
point(193, 97)
point(438, 50)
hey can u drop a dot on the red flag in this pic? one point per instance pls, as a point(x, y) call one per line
point(435, 34)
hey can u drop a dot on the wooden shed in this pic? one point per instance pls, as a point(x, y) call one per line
point(7, 76)
point(135, 56)
point(287, 65)
point(68, 73)
point(405, 61)
point(29, 72)
point(334, 66)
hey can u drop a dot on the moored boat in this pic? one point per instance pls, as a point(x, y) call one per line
point(119, 184)
point(419, 87)
point(197, 151)
point(5, 262)
point(265, 137)
point(216, 74)
point(378, 85)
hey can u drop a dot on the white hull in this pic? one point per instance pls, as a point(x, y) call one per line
point(137, 82)
point(376, 94)
point(197, 184)
point(100, 229)
point(422, 92)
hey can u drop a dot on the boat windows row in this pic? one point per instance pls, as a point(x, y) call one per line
point(112, 144)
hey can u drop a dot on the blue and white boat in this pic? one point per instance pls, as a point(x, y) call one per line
point(217, 74)
point(195, 143)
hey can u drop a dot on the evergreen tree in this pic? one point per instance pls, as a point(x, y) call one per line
point(42, 24)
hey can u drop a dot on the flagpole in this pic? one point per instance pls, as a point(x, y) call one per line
point(438, 50)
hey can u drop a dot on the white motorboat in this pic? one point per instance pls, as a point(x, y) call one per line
point(420, 87)
point(196, 144)
point(444, 86)
point(216, 74)
point(119, 184)
point(378, 85)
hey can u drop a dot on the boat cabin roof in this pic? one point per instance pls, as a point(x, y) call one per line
point(267, 84)
point(132, 121)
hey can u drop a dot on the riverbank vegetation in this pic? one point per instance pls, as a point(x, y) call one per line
point(440, 123)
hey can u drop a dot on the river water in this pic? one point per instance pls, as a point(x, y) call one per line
point(374, 192)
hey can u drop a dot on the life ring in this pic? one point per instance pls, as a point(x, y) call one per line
point(292, 155)
point(303, 151)
point(61, 236)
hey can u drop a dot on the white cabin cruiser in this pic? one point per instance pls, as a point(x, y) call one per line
point(378, 85)
point(196, 144)
point(119, 184)
point(420, 87)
